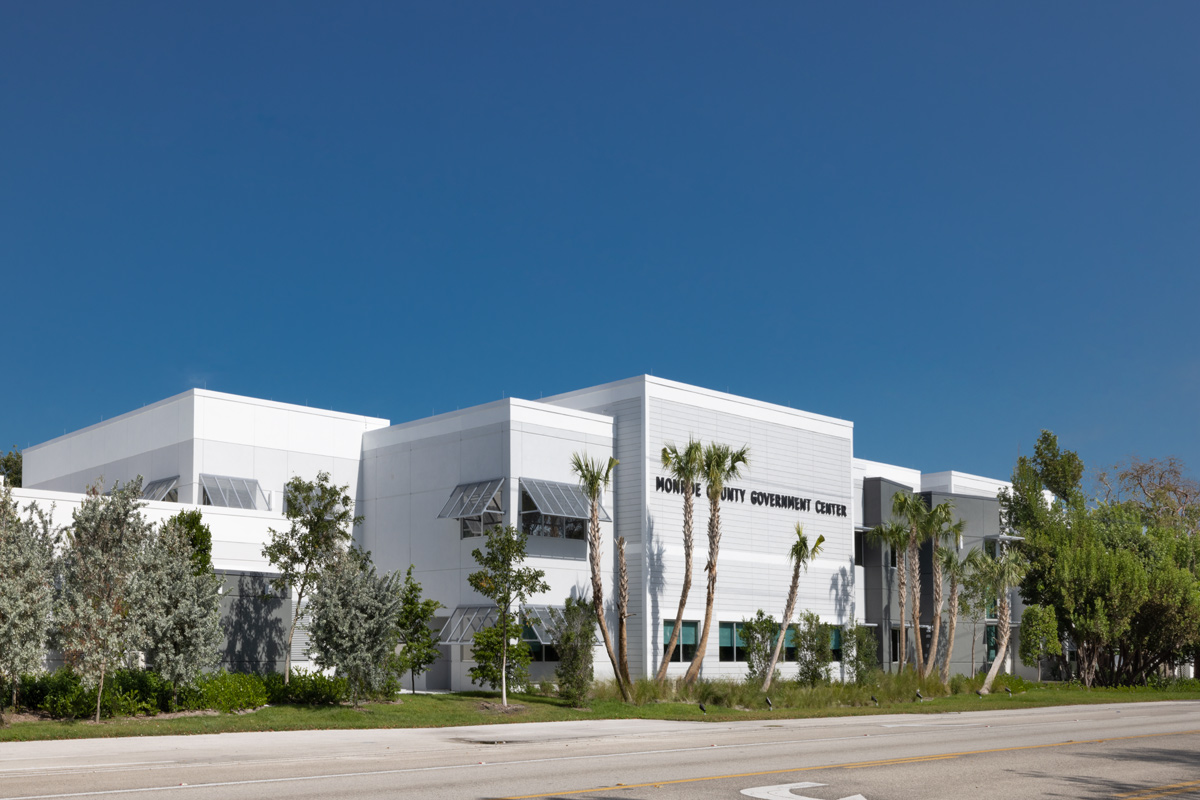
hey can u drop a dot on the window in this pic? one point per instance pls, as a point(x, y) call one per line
point(165, 490)
point(733, 647)
point(492, 516)
point(891, 557)
point(895, 645)
point(541, 652)
point(220, 490)
point(685, 648)
point(536, 523)
point(835, 643)
point(990, 646)
point(858, 548)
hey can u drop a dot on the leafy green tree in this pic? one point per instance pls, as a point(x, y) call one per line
point(1039, 636)
point(501, 658)
point(198, 536)
point(721, 464)
point(813, 653)
point(594, 478)
point(179, 606)
point(101, 570)
point(1002, 574)
point(894, 536)
point(975, 597)
point(801, 554)
point(860, 653)
point(505, 582)
point(759, 633)
point(684, 466)
point(574, 632)
point(26, 588)
point(321, 516)
point(418, 641)
point(10, 467)
point(353, 621)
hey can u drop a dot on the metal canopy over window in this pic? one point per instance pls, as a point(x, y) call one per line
point(560, 499)
point(158, 490)
point(221, 490)
point(470, 499)
point(466, 621)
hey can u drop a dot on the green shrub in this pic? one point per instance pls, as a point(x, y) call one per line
point(232, 691)
point(306, 689)
point(63, 696)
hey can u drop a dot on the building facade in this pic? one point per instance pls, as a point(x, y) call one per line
point(428, 488)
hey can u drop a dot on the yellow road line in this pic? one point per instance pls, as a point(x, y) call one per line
point(861, 764)
point(1161, 791)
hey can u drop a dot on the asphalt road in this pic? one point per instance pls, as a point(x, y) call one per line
point(1128, 751)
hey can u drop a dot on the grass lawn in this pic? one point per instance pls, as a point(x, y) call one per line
point(480, 708)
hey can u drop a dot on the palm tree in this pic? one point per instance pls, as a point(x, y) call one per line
point(1004, 571)
point(912, 509)
point(720, 463)
point(894, 536)
point(594, 477)
point(941, 529)
point(684, 466)
point(801, 553)
point(957, 572)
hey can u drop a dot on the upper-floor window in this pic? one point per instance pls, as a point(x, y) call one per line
point(477, 507)
point(536, 523)
point(491, 516)
point(222, 490)
point(164, 489)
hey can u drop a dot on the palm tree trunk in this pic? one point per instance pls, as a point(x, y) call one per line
point(950, 629)
point(902, 580)
point(714, 545)
point(937, 617)
point(914, 564)
point(598, 596)
point(788, 609)
point(688, 543)
point(622, 611)
point(1002, 636)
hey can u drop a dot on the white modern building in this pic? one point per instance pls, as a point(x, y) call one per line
point(427, 488)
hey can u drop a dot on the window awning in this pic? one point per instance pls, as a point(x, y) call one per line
point(157, 490)
point(560, 499)
point(221, 490)
point(466, 621)
point(470, 499)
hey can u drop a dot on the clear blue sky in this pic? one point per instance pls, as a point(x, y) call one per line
point(954, 224)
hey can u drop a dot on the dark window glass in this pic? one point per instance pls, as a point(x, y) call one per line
point(835, 643)
point(992, 647)
point(789, 644)
point(895, 645)
point(858, 548)
point(685, 648)
point(726, 641)
point(535, 523)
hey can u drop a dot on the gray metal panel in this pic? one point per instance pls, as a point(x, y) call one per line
point(470, 499)
point(556, 499)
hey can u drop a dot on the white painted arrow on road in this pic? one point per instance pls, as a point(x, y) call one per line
point(783, 791)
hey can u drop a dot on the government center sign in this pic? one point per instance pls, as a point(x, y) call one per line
point(730, 494)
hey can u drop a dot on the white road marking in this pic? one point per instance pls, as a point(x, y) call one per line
point(86, 766)
point(781, 791)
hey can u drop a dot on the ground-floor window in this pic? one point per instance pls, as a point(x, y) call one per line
point(991, 647)
point(685, 647)
point(895, 645)
point(733, 646)
point(835, 642)
point(541, 652)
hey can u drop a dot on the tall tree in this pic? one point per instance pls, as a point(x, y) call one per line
point(26, 588)
point(574, 632)
point(10, 467)
point(321, 516)
point(622, 612)
point(1004, 572)
point(957, 572)
point(100, 578)
point(684, 466)
point(894, 536)
point(594, 478)
point(198, 537)
point(419, 642)
point(353, 620)
point(916, 516)
point(721, 463)
point(1039, 636)
point(179, 605)
point(942, 527)
point(801, 553)
point(505, 582)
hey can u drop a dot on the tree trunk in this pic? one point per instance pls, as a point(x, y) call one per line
point(504, 658)
point(937, 618)
point(788, 610)
point(99, 694)
point(622, 611)
point(714, 545)
point(974, 636)
point(687, 585)
point(412, 675)
point(950, 630)
point(598, 596)
point(914, 564)
point(902, 580)
point(1002, 636)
